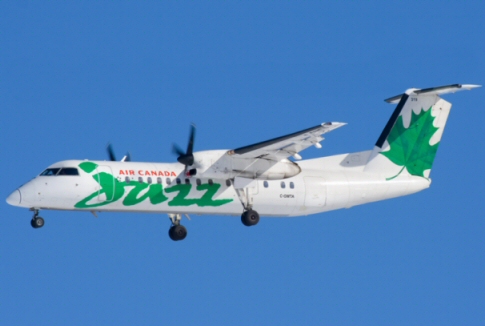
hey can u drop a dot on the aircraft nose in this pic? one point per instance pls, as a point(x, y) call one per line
point(15, 198)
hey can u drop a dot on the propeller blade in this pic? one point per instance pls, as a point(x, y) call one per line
point(177, 150)
point(186, 158)
point(190, 146)
point(111, 153)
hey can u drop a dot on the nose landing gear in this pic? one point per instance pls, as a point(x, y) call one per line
point(37, 221)
point(177, 231)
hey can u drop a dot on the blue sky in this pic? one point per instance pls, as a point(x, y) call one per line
point(77, 75)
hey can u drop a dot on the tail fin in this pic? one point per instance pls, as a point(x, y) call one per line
point(410, 139)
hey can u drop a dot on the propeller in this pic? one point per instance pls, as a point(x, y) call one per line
point(112, 157)
point(186, 158)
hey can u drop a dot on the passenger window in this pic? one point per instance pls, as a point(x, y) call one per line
point(292, 185)
point(159, 180)
point(149, 180)
point(178, 181)
point(283, 185)
point(68, 171)
point(140, 179)
point(169, 181)
point(127, 179)
point(211, 182)
point(50, 172)
point(265, 184)
point(198, 182)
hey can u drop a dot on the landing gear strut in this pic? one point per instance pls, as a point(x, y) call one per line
point(250, 217)
point(177, 231)
point(37, 221)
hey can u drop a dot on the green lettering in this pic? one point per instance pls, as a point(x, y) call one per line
point(115, 190)
point(211, 190)
point(154, 193)
point(180, 199)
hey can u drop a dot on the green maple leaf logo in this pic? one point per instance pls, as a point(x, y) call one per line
point(410, 146)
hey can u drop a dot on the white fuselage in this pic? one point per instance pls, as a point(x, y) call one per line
point(323, 184)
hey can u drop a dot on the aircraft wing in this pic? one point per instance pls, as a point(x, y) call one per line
point(285, 146)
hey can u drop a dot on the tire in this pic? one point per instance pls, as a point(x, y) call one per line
point(250, 218)
point(39, 222)
point(243, 219)
point(170, 234)
point(177, 232)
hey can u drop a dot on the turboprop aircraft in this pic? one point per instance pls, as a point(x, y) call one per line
point(258, 179)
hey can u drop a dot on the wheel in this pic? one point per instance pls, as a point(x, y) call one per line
point(37, 222)
point(177, 232)
point(250, 218)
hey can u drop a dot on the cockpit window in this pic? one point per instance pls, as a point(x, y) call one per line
point(68, 171)
point(60, 171)
point(50, 171)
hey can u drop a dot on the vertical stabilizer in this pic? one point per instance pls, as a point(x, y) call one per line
point(411, 137)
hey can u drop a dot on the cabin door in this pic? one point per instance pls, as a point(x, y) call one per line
point(315, 192)
point(106, 183)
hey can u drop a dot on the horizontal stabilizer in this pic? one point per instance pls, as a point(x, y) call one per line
point(433, 90)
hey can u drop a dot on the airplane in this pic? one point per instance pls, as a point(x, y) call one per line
point(255, 180)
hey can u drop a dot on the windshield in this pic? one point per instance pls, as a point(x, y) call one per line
point(68, 171)
point(60, 171)
point(50, 172)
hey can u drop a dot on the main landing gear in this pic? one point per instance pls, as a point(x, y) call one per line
point(37, 221)
point(250, 217)
point(177, 231)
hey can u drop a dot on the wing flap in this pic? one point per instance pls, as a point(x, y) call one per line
point(288, 145)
